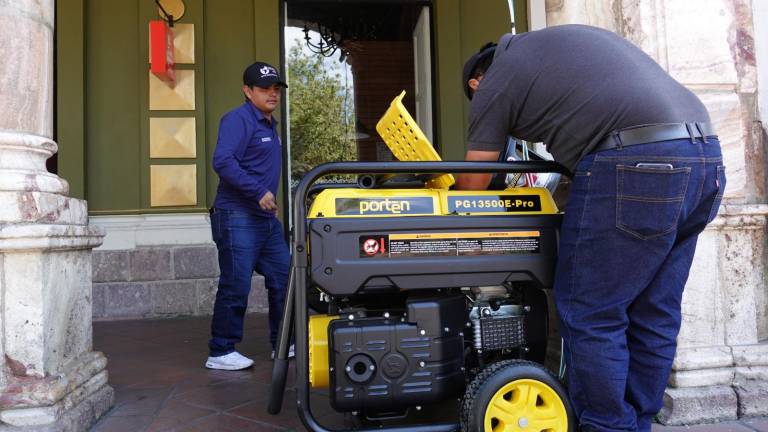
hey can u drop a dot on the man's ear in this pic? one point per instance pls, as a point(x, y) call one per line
point(247, 92)
point(473, 83)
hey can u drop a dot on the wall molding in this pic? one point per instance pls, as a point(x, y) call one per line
point(130, 232)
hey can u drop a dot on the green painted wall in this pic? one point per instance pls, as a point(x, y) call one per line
point(113, 105)
point(461, 28)
point(103, 98)
point(228, 46)
point(70, 94)
point(102, 85)
point(233, 42)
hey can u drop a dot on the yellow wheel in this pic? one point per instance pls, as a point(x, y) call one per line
point(516, 396)
point(526, 405)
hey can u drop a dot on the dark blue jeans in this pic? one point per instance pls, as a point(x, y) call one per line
point(246, 243)
point(627, 242)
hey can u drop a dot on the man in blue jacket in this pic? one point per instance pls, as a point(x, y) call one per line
point(248, 236)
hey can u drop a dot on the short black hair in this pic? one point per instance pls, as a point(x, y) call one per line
point(483, 63)
point(478, 64)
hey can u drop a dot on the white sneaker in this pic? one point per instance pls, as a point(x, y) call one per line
point(291, 352)
point(231, 361)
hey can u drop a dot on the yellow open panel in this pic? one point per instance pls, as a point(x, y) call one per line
point(406, 140)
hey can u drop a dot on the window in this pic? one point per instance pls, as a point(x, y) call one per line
point(346, 61)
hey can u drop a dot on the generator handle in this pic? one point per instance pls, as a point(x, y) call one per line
point(433, 167)
point(299, 251)
point(280, 364)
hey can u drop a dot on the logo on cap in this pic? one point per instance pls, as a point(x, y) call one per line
point(267, 71)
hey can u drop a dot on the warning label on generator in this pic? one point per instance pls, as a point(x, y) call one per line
point(449, 244)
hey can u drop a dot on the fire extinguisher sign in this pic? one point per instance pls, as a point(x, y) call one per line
point(373, 245)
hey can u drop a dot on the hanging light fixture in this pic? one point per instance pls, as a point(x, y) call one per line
point(328, 43)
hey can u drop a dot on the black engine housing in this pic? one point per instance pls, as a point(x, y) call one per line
point(385, 363)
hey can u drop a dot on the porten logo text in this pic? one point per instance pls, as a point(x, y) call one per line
point(386, 205)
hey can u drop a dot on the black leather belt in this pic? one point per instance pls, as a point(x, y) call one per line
point(654, 133)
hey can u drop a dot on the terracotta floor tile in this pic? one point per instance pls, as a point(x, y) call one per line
point(228, 423)
point(226, 395)
point(139, 402)
point(262, 372)
point(122, 377)
point(258, 411)
point(196, 381)
point(122, 424)
point(145, 374)
point(288, 416)
point(175, 414)
point(169, 380)
point(246, 374)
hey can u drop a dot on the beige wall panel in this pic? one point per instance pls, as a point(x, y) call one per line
point(175, 96)
point(173, 185)
point(183, 44)
point(172, 137)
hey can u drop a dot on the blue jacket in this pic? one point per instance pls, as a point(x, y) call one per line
point(248, 159)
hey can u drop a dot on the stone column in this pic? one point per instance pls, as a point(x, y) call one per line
point(721, 368)
point(50, 378)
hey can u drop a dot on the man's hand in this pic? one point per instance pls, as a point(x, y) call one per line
point(267, 203)
point(476, 181)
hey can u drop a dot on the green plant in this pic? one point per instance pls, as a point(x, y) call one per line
point(321, 113)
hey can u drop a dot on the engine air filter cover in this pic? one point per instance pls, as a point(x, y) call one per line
point(500, 332)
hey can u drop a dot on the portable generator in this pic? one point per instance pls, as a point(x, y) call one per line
point(404, 296)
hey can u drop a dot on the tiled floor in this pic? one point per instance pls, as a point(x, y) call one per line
point(156, 369)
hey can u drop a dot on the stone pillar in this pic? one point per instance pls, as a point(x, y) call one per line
point(721, 368)
point(50, 379)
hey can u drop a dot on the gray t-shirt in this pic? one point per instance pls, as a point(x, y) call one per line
point(569, 86)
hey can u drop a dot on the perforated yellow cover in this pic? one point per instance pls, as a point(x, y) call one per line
point(406, 140)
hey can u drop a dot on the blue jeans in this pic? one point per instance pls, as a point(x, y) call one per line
point(246, 243)
point(627, 242)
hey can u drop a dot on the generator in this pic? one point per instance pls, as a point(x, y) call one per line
point(406, 294)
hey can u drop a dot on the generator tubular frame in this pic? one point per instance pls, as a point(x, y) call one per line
point(295, 310)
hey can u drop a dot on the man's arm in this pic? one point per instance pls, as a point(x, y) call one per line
point(477, 181)
point(232, 136)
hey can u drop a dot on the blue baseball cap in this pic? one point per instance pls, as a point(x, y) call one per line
point(262, 75)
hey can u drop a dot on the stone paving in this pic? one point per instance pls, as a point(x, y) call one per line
point(156, 369)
